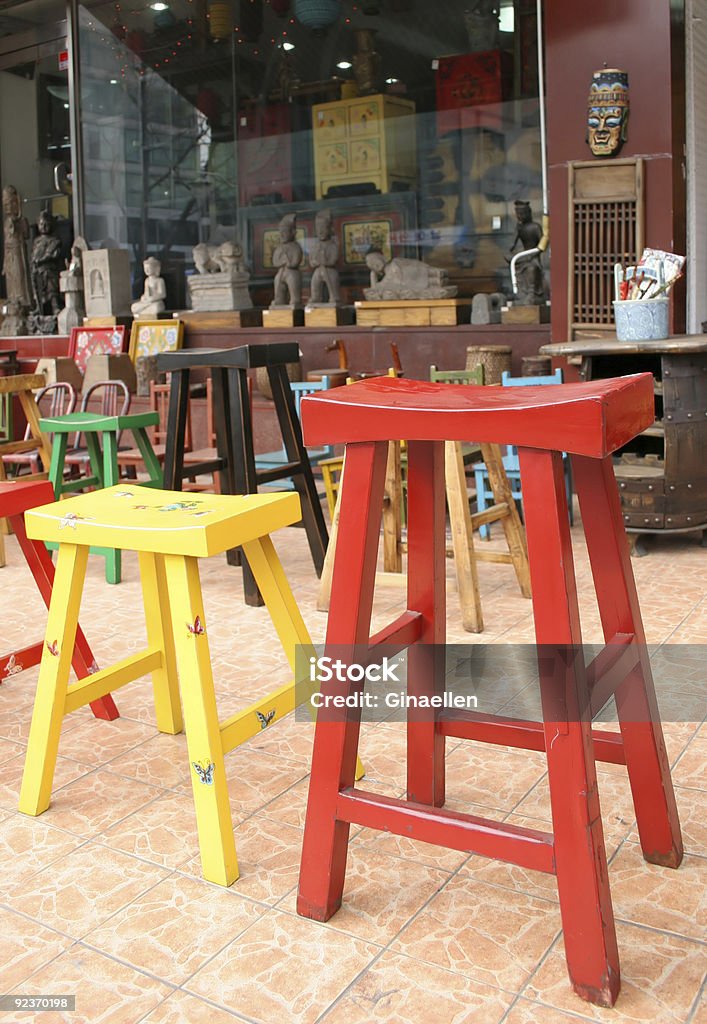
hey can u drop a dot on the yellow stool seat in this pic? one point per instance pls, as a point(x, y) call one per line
point(170, 522)
point(170, 530)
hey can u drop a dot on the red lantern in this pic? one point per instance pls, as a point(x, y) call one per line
point(280, 7)
point(209, 103)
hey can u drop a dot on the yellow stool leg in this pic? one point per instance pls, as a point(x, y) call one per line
point(213, 813)
point(280, 602)
point(49, 703)
point(165, 681)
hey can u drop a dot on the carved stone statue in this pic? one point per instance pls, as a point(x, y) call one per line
point(405, 279)
point(323, 259)
point(71, 285)
point(151, 303)
point(15, 235)
point(482, 25)
point(14, 322)
point(221, 279)
point(287, 257)
point(45, 267)
point(366, 62)
point(529, 270)
point(607, 112)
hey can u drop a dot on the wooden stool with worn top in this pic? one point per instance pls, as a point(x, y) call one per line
point(170, 531)
point(589, 421)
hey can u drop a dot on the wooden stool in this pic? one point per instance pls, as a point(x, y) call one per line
point(589, 421)
point(234, 434)
point(22, 386)
point(103, 458)
point(169, 534)
point(16, 498)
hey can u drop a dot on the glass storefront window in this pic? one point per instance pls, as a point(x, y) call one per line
point(416, 125)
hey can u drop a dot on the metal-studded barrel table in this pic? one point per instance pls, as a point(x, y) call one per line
point(589, 421)
point(170, 535)
point(234, 433)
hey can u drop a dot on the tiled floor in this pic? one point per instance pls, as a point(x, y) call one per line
point(102, 896)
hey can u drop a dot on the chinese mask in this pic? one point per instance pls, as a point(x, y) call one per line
point(607, 112)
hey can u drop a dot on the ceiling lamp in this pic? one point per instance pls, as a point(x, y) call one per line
point(317, 14)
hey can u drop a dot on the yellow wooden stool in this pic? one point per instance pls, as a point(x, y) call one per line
point(170, 531)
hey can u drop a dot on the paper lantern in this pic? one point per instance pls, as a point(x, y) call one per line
point(317, 14)
point(220, 19)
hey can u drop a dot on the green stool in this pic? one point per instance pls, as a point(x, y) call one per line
point(101, 433)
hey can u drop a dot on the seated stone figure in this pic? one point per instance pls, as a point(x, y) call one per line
point(402, 278)
point(152, 300)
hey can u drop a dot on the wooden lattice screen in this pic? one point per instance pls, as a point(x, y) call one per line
point(605, 227)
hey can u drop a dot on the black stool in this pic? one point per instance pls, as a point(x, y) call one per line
point(234, 434)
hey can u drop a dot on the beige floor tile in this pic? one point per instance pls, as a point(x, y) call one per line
point(29, 845)
point(9, 749)
point(161, 761)
point(381, 894)
point(79, 892)
point(66, 772)
point(692, 812)
point(181, 1008)
point(424, 854)
point(614, 796)
point(97, 742)
point(472, 928)
point(691, 770)
point(96, 801)
point(162, 832)
point(106, 992)
point(656, 897)
point(25, 947)
point(283, 968)
point(396, 988)
point(268, 859)
point(256, 777)
point(491, 776)
point(660, 978)
point(525, 1012)
point(176, 927)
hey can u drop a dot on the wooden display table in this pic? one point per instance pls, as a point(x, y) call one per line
point(662, 475)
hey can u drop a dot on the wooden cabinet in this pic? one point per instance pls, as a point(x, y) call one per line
point(662, 474)
point(366, 139)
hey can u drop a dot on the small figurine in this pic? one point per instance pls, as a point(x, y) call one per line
point(14, 323)
point(287, 257)
point(529, 271)
point(323, 259)
point(15, 235)
point(71, 285)
point(607, 112)
point(152, 300)
point(402, 278)
point(229, 258)
point(45, 267)
point(205, 258)
point(221, 279)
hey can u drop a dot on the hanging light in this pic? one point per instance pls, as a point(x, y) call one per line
point(317, 14)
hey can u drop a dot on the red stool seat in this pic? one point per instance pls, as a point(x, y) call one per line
point(589, 421)
point(16, 498)
point(584, 419)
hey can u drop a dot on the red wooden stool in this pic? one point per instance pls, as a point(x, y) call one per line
point(589, 421)
point(16, 498)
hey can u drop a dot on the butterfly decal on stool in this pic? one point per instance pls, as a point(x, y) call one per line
point(197, 629)
point(12, 667)
point(266, 719)
point(53, 648)
point(205, 771)
point(71, 519)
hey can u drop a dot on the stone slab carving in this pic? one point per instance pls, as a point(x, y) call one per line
point(486, 309)
point(106, 282)
point(221, 281)
point(324, 288)
point(71, 286)
point(287, 257)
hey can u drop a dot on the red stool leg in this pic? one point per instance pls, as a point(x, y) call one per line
point(42, 568)
point(325, 845)
point(426, 595)
point(639, 717)
point(580, 855)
